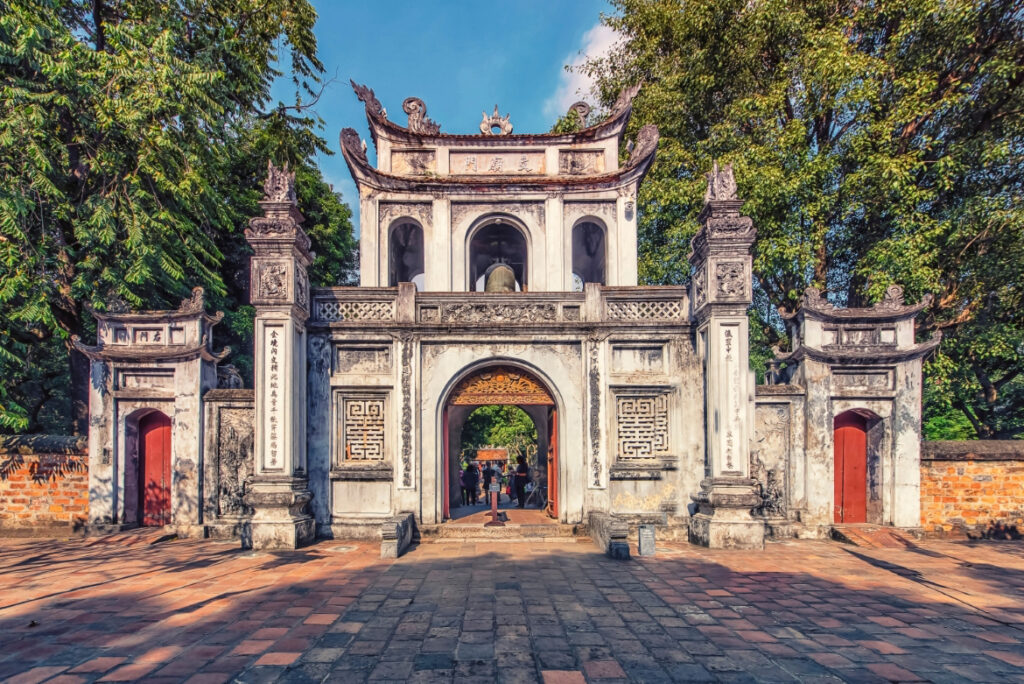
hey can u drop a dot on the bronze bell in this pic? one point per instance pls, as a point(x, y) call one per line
point(500, 279)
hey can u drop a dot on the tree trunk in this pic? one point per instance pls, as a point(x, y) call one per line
point(79, 366)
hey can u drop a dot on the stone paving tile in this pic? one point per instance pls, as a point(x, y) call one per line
point(204, 611)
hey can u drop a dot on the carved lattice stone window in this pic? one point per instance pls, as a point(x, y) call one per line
point(361, 429)
point(642, 425)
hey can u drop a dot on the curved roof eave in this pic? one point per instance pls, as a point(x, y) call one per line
point(611, 127)
point(633, 171)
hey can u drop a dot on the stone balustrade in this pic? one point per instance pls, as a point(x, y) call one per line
point(404, 305)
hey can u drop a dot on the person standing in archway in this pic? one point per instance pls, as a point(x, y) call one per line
point(488, 474)
point(522, 477)
point(471, 481)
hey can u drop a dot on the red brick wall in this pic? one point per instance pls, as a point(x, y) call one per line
point(973, 487)
point(44, 483)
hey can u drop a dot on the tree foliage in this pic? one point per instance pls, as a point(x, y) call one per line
point(874, 143)
point(500, 426)
point(134, 137)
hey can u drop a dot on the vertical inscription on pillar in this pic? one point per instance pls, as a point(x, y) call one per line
point(733, 403)
point(273, 411)
point(595, 412)
point(642, 425)
point(407, 411)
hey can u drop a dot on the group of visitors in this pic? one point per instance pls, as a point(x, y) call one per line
point(513, 484)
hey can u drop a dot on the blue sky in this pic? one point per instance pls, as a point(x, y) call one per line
point(460, 57)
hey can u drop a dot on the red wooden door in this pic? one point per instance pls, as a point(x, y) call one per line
point(851, 469)
point(155, 470)
point(447, 472)
point(553, 463)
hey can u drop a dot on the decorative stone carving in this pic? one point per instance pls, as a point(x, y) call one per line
point(329, 310)
point(388, 212)
point(353, 145)
point(581, 110)
point(279, 185)
point(418, 121)
point(262, 226)
point(193, 304)
point(301, 289)
point(580, 162)
point(273, 281)
point(893, 298)
point(228, 377)
point(644, 310)
point(498, 313)
point(496, 120)
point(729, 279)
point(625, 98)
point(646, 143)
point(235, 462)
point(700, 293)
point(502, 385)
point(373, 106)
point(532, 212)
point(721, 184)
point(363, 429)
point(641, 422)
point(413, 162)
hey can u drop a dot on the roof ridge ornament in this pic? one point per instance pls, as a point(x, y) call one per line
point(279, 185)
point(350, 141)
point(582, 110)
point(646, 142)
point(496, 120)
point(373, 106)
point(625, 98)
point(418, 121)
point(721, 184)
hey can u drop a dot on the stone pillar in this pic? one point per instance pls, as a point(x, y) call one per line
point(279, 289)
point(720, 295)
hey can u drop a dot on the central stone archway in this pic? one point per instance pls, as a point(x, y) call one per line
point(502, 385)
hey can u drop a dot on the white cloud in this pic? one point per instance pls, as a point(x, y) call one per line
point(574, 86)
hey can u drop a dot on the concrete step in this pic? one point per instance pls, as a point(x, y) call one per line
point(511, 531)
point(872, 536)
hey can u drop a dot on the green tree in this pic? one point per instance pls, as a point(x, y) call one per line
point(133, 140)
point(500, 426)
point(874, 143)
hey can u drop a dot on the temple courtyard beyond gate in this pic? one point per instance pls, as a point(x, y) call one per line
point(122, 608)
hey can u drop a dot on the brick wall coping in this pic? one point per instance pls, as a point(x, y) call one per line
point(974, 450)
point(43, 444)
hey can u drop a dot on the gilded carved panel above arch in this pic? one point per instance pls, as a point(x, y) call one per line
point(501, 385)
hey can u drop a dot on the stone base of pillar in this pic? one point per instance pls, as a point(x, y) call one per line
point(280, 518)
point(724, 519)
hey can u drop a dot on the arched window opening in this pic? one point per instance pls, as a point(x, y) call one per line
point(588, 254)
point(493, 246)
point(406, 255)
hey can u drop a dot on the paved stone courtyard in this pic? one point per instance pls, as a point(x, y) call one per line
point(117, 609)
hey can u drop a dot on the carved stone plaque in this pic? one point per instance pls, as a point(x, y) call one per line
point(730, 283)
point(580, 162)
point(272, 280)
point(413, 162)
point(358, 360)
point(496, 163)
